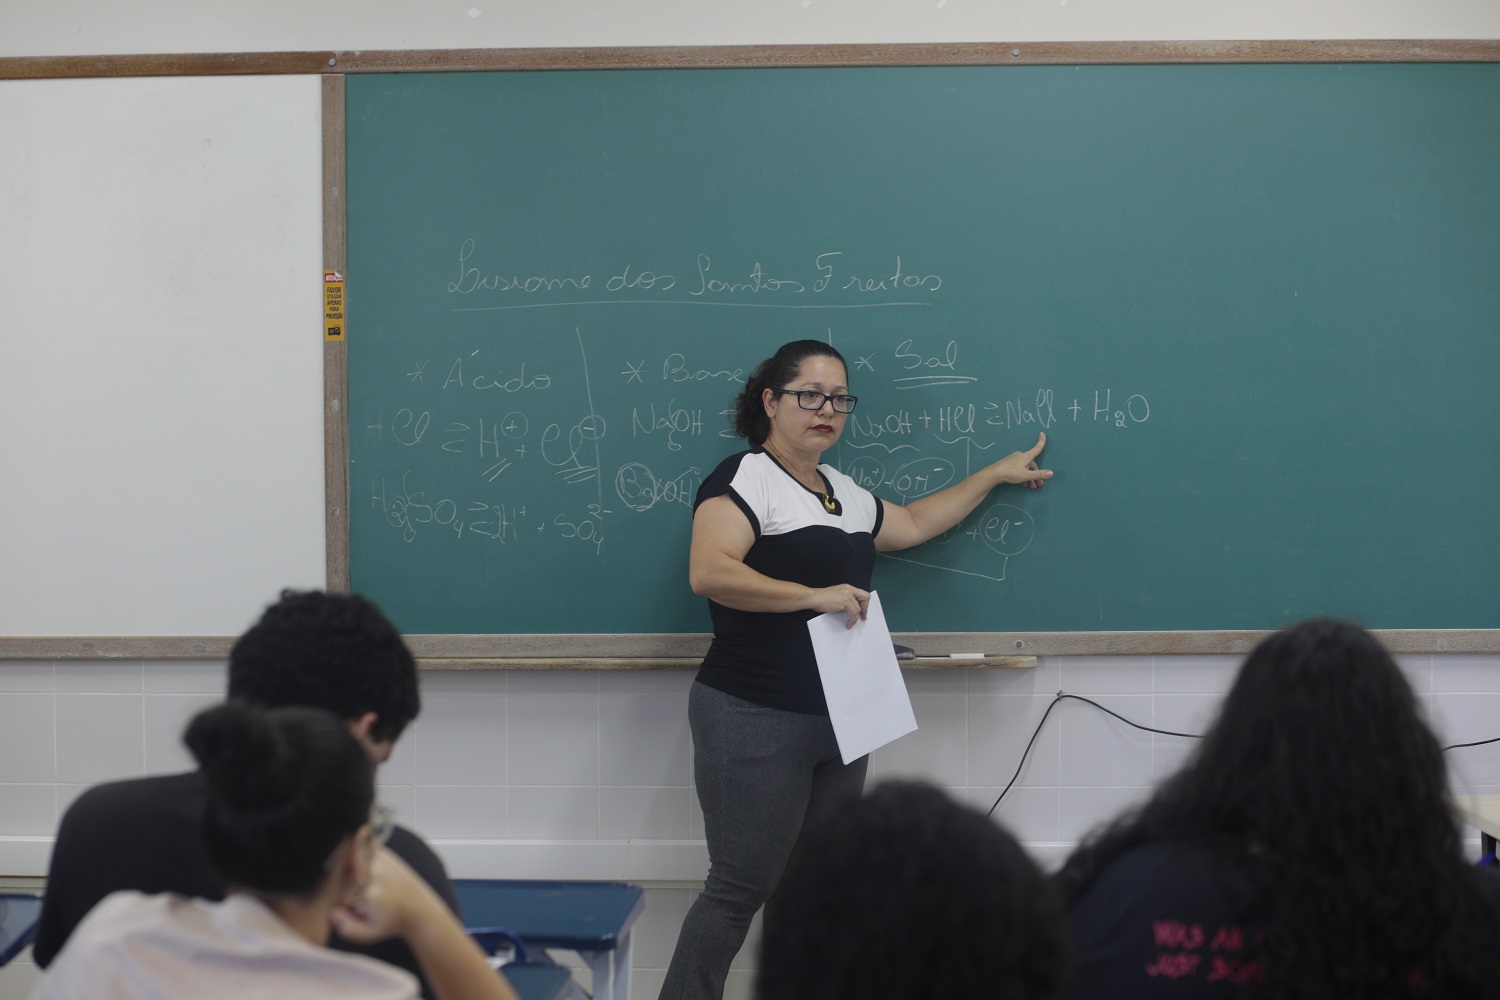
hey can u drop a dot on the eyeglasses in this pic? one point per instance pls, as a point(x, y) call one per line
point(809, 399)
point(382, 822)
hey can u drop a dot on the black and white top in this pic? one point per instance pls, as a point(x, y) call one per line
point(767, 657)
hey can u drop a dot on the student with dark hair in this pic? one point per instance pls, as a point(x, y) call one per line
point(289, 824)
point(780, 537)
point(332, 651)
point(909, 895)
point(1308, 848)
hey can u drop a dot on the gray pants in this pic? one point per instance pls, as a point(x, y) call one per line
point(761, 773)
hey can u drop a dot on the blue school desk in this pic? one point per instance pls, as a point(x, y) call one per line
point(19, 913)
point(1483, 813)
point(591, 918)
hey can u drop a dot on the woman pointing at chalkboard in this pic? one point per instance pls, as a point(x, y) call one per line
point(779, 538)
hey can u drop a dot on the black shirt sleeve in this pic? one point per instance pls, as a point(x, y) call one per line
point(141, 834)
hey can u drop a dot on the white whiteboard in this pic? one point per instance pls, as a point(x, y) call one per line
point(161, 446)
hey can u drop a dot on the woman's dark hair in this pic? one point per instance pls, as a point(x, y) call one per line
point(750, 420)
point(284, 787)
point(1321, 770)
point(906, 893)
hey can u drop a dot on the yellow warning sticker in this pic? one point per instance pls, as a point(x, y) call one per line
point(333, 305)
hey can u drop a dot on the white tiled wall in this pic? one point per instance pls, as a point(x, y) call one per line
point(589, 774)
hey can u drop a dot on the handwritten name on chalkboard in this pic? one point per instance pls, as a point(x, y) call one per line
point(827, 273)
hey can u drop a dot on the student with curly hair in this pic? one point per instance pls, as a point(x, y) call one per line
point(907, 894)
point(1308, 848)
point(288, 825)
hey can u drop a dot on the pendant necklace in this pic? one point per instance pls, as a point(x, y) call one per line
point(830, 503)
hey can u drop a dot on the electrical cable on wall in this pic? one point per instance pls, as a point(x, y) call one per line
point(1061, 696)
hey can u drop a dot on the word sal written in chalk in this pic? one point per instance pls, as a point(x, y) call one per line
point(746, 277)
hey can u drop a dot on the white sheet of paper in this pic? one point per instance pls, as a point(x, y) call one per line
point(867, 699)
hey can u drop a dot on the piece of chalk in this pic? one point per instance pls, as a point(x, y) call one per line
point(965, 656)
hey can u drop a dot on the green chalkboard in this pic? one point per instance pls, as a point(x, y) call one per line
point(1255, 307)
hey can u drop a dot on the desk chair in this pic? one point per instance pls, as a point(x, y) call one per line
point(592, 918)
point(533, 978)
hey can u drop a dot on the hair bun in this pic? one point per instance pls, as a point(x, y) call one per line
point(244, 756)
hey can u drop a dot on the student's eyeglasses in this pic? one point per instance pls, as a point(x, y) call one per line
point(382, 822)
point(810, 399)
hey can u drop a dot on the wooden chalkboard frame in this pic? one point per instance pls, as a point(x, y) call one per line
point(640, 651)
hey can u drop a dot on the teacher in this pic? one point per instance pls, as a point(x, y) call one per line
point(779, 538)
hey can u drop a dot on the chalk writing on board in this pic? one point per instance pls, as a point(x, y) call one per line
point(893, 304)
point(894, 279)
point(956, 419)
point(594, 420)
point(921, 476)
point(871, 431)
point(1003, 528)
point(566, 456)
point(588, 529)
point(639, 488)
point(1014, 412)
point(755, 282)
point(675, 421)
point(677, 369)
point(868, 471)
point(1006, 528)
point(526, 459)
point(470, 280)
point(408, 428)
point(912, 360)
point(830, 271)
point(505, 380)
point(1104, 408)
point(642, 279)
point(412, 511)
point(1135, 410)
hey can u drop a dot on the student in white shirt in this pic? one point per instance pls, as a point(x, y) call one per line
point(288, 823)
